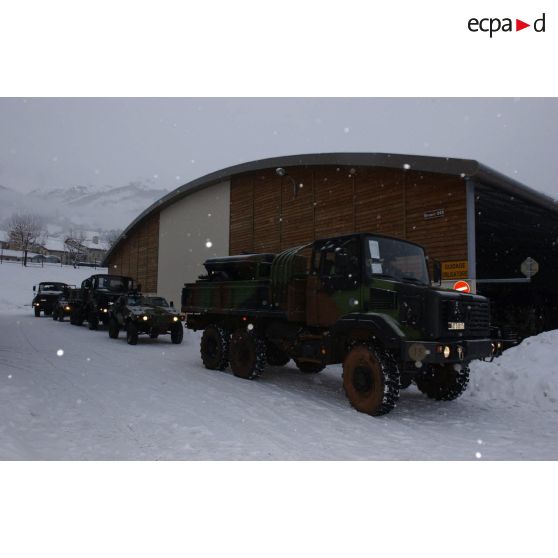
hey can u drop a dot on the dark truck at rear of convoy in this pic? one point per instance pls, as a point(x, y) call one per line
point(46, 296)
point(363, 300)
point(97, 294)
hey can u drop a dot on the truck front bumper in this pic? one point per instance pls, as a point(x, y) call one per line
point(450, 352)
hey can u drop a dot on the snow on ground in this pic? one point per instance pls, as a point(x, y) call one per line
point(70, 393)
point(16, 281)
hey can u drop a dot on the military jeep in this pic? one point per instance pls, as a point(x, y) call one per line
point(152, 315)
point(46, 296)
point(63, 305)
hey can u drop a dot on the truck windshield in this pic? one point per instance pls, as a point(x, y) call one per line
point(113, 283)
point(394, 259)
point(52, 287)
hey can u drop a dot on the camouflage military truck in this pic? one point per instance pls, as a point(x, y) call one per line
point(97, 294)
point(46, 296)
point(363, 300)
point(152, 315)
point(63, 307)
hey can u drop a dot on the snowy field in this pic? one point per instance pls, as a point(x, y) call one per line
point(103, 399)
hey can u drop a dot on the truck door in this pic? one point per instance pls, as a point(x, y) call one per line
point(334, 285)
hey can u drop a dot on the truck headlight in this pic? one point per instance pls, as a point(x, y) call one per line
point(447, 351)
point(145, 318)
point(175, 319)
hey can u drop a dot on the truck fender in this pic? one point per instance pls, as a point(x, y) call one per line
point(381, 326)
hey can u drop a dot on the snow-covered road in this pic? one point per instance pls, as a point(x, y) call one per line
point(103, 399)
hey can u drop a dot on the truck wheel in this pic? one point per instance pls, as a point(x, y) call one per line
point(247, 354)
point(61, 316)
point(214, 348)
point(405, 380)
point(93, 321)
point(113, 329)
point(371, 380)
point(444, 382)
point(309, 367)
point(276, 356)
point(37, 312)
point(177, 333)
point(55, 314)
point(131, 334)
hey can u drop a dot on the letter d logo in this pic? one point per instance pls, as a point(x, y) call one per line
point(539, 24)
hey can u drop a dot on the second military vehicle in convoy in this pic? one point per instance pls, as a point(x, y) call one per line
point(135, 313)
point(363, 300)
point(63, 306)
point(46, 296)
point(97, 294)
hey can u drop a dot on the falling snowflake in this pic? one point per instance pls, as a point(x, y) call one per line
point(478, 455)
point(406, 166)
point(208, 244)
point(59, 352)
point(346, 130)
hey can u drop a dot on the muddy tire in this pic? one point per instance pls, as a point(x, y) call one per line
point(371, 380)
point(214, 347)
point(131, 334)
point(276, 356)
point(248, 354)
point(37, 312)
point(309, 367)
point(177, 333)
point(444, 382)
point(113, 329)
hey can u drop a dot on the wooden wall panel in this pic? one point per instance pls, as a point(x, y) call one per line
point(267, 209)
point(242, 214)
point(379, 201)
point(334, 190)
point(445, 237)
point(297, 216)
point(137, 255)
point(266, 216)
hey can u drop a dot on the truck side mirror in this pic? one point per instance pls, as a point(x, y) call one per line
point(437, 272)
point(171, 304)
point(139, 287)
point(34, 288)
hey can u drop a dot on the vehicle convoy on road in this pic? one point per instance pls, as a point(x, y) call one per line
point(92, 301)
point(62, 306)
point(46, 296)
point(363, 300)
point(135, 313)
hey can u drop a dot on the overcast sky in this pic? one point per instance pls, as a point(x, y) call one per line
point(48, 143)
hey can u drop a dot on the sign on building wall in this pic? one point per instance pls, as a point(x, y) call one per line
point(434, 214)
point(455, 269)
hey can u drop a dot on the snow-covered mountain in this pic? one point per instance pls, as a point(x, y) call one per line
point(87, 207)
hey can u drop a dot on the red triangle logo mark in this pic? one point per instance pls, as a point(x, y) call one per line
point(519, 25)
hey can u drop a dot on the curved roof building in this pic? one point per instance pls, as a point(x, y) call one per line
point(478, 222)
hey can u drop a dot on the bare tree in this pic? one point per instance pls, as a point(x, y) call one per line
point(112, 236)
point(74, 244)
point(24, 230)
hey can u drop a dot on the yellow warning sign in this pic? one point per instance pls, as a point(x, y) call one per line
point(455, 270)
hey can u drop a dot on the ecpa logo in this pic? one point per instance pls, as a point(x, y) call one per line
point(494, 24)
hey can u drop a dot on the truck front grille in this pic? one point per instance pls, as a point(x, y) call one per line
point(381, 299)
